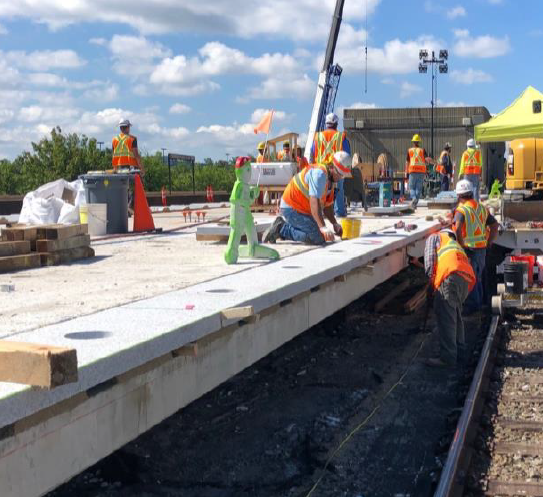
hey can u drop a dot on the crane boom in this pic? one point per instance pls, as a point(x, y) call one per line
point(328, 81)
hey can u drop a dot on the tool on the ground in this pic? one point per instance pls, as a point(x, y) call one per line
point(410, 227)
point(399, 225)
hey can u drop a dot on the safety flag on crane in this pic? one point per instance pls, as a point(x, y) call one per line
point(265, 123)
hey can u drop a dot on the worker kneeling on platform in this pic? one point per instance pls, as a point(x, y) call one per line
point(451, 279)
point(308, 200)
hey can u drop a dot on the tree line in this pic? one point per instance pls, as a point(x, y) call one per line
point(69, 155)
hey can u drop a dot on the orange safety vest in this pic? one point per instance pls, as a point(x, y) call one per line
point(417, 164)
point(473, 161)
point(451, 258)
point(474, 231)
point(440, 168)
point(123, 153)
point(260, 159)
point(327, 143)
point(296, 194)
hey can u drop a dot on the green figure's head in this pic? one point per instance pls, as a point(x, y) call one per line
point(243, 169)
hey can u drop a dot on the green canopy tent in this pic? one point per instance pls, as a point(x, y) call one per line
point(516, 121)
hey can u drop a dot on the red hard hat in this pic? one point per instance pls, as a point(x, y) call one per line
point(240, 162)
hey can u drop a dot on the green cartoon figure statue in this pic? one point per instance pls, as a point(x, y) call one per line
point(495, 190)
point(241, 220)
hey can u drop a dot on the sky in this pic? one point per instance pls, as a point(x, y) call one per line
point(194, 76)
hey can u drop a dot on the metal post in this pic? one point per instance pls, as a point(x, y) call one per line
point(433, 77)
point(193, 179)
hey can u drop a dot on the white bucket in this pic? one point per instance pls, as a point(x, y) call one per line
point(95, 215)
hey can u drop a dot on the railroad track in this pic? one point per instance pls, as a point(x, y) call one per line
point(498, 445)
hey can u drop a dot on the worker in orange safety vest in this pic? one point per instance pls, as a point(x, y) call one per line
point(451, 279)
point(444, 167)
point(262, 156)
point(125, 148)
point(415, 166)
point(471, 166)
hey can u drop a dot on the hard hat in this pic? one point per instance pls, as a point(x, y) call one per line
point(343, 164)
point(240, 162)
point(331, 119)
point(261, 146)
point(124, 122)
point(447, 146)
point(286, 144)
point(471, 143)
point(464, 186)
point(416, 138)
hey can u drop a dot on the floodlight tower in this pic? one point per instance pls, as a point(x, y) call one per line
point(441, 63)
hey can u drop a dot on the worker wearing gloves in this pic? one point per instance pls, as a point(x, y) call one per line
point(325, 145)
point(307, 200)
point(125, 148)
point(444, 167)
point(451, 279)
point(285, 155)
point(261, 153)
point(471, 166)
point(415, 166)
point(471, 220)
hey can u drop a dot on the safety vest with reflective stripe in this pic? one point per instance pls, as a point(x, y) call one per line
point(417, 164)
point(260, 159)
point(474, 227)
point(440, 168)
point(472, 161)
point(123, 154)
point(296, 194)
point(451, 258)
point(327, 143)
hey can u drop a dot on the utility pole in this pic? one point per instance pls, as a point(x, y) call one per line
point(100, 145)
point(443, 69)
point(169, 170)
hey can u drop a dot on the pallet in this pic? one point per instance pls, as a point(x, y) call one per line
point(8, 249)
point(65, 256)
point(63, 244)
point(18, 262)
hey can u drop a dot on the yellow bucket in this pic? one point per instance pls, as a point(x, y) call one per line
point(83, 214)
point(351, 228)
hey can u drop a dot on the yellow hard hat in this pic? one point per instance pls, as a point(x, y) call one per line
point(261, 146)
point(416, 138)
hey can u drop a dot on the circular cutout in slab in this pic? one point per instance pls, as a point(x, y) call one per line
point(292, 267)
point(220, 290)
point(88, 335)
point(336, 251)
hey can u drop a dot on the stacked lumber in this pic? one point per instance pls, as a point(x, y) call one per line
point(24, 247)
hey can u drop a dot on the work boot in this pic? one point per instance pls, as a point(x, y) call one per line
point(273, 232)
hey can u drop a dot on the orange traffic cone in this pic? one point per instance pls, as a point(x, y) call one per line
point(143, 219)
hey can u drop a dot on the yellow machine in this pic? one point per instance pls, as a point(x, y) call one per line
point(525, 165)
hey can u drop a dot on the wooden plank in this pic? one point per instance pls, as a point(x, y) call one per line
point(20, 233)
point(37, 365)
point(238, 312)
point(65, 256)
point(392, 295)
point(524, 449)
point(68, 243)
point(417, 300)
point(8, 249)
point(61, 231)
point(17, 262)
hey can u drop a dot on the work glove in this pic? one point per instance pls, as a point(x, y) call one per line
point(338, 230)
point(327, 234)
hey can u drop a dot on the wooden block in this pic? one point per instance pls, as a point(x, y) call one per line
point(68, 243)
point(61, 231)
point(392, 295)
point(14, 248)
point(238, 312)
point(65, 256)
point(17, 262)
point(37, 365)
point(188, 350)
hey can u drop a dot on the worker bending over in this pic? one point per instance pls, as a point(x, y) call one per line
point(444, 167)
point(471, 166)
point(475, 229)
point(125, 148)
point(415, 166)
point(307, 200)
point(325, 145)
point(451, 279)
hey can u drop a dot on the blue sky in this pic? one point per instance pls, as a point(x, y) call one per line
point(194, 76)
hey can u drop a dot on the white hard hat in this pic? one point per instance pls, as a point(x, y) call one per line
point(124, 122)
point(471, 143)
point(331, 119)
point(343, 164)
point(464, 186)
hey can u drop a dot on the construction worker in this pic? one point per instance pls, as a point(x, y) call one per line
point(444, 167)
point(125, 148)
point(307, 200)
point(471, 166)
point(261, 153)
point(300, 159)
point(415, 166)
point(285, 155)
point(471, 220)
point(451, 279)
point(325, 145)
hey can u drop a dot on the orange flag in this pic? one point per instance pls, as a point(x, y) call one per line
point(265, 123)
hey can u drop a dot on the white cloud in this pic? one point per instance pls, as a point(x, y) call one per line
point(106, 92)
point(43, 60)
point(481, 47)
point(54, 115)
point(279, 87)
point(407, 89)
point(441, 103)
point(179, 109)
point(470, 76)
point(278, 115)
point(98, 41)
point(455, 12)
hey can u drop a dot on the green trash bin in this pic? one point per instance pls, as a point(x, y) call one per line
point(110, 189)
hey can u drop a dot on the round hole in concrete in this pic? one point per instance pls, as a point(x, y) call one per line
point(220, 290)
point(369, 242)
point(336, 251)
point(292, 267)
point(88, 335)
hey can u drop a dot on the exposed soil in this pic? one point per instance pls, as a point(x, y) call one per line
point(272, 430)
